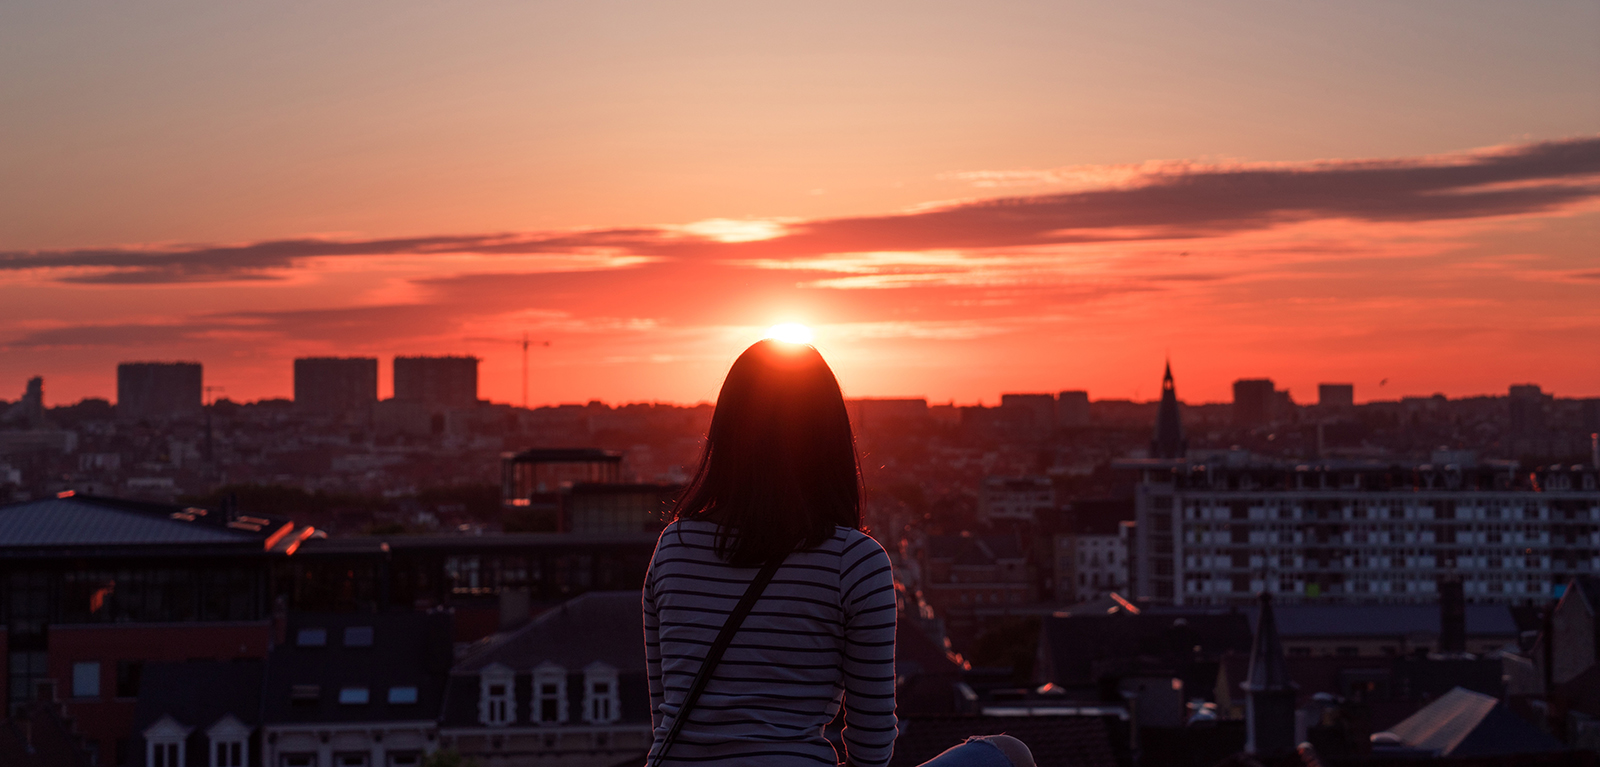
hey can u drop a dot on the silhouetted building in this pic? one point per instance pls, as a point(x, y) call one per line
point(438, 381)
point(1526, 409)
point(27, 412)
point(336, 385)
point(1253, 400)
point(1269, 695)
point(1072, 409)
point(1169, 441)
point(159, 389)
point(1031, 414)
point(1336, 395)
point(869, 414)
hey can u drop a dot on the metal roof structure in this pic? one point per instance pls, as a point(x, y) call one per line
point(88, 521)
point(1464, 723)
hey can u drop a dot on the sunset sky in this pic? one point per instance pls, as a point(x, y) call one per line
point(961, 199)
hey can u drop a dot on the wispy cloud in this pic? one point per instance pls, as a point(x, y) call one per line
point(1155, 201)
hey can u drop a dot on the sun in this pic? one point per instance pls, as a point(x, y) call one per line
point(789, 332)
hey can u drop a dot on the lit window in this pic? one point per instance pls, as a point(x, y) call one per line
point(311, 638)
point(402, 695)
point(353, 696)
point(86, 680)
point(358, 636)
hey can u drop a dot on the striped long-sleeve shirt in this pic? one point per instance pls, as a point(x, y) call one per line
point(821, 635)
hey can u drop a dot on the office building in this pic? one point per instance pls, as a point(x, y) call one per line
point(1253, 400)
point(436, 381)
point(335, 385)
point(159, 389)
point(1217, 532)
point(1525, 403)
point(1072, 409)
point(1336, 395)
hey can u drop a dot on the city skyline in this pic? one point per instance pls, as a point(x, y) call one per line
point(959, 201)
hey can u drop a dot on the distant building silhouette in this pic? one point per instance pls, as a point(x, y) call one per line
point(1252, 401)
point(1033, 414)
point(159, 389)
point(1336, 395)
point(1526, 406)
point(335, 385)
point(446, 381)
point(27, 412)
point(1072, 409)
point(1168, 441)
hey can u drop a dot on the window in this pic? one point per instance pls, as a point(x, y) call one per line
point(352, 760)
point(304, 694)
point(496, 703)
point(164, 743)
point(601, 704)
point(354, 696)
point(299, 760)
point(228, 736)
point(164, 754)
point(405, 759)
point(86, 679)
point(128, 673)
point(358, 636)
point(312, 638)
point(549, 694)
point(402, 695)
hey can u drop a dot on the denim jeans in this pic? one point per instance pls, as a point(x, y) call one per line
point(975, 752)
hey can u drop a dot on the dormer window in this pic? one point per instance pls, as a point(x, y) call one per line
point(164, 743)
point(497, 703)
point(549, 694)
point(601, 703)
point(228, 738)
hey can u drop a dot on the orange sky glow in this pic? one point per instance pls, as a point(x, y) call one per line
point(957, 202)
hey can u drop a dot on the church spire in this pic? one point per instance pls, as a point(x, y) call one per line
point(1269, 694)
point(1168, 441)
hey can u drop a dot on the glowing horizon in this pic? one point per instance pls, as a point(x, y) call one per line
point(961, 201)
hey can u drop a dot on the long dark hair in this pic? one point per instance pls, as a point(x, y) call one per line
point(779, 469)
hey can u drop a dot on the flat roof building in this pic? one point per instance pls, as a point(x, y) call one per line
point(335, 385)
point(159, 389)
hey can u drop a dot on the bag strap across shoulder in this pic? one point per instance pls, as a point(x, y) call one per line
point(714, 655)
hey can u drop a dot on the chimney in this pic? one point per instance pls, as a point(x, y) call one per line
point(1452, 617)
point(1269, 695)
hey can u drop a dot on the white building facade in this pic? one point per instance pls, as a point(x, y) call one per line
point(1219, 532)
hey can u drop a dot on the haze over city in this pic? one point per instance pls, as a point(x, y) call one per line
point(960, 201)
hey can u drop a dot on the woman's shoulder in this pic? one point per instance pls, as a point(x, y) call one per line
point(854, 542)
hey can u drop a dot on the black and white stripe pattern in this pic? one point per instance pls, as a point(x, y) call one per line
point(822, 630)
